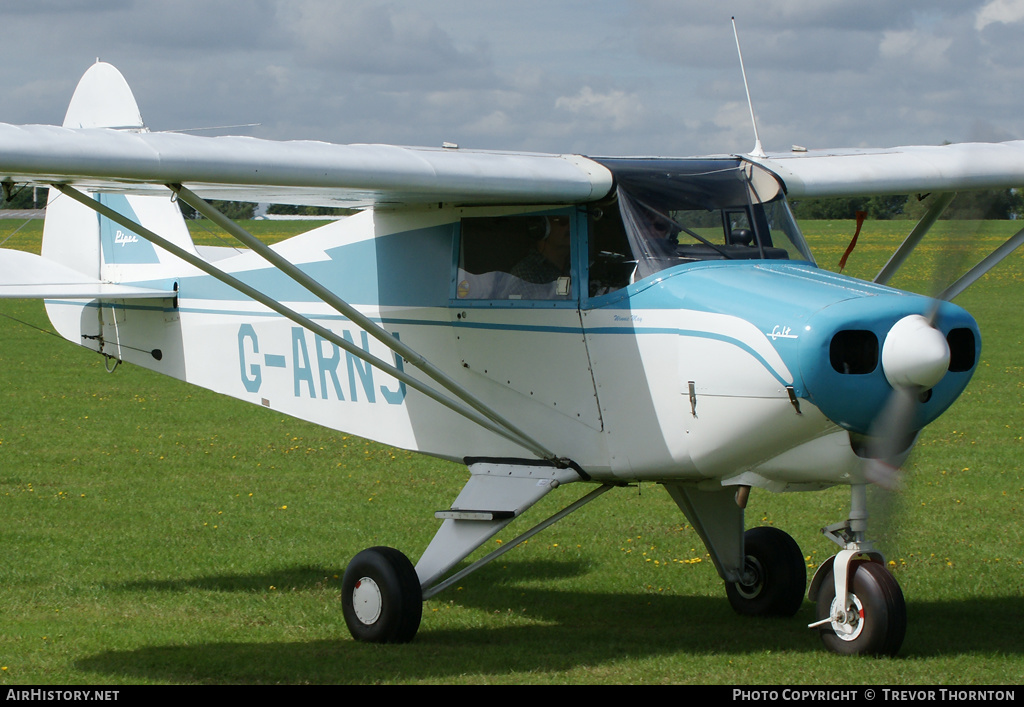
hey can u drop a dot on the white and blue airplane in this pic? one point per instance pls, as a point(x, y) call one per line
point(544, 319)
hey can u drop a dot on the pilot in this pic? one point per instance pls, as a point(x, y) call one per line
point(548, 260)
point(661, 233)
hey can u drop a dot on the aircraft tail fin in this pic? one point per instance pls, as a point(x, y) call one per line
point(74, 235)
point(92, 271)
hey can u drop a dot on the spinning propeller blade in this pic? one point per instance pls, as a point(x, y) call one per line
point(915, 356)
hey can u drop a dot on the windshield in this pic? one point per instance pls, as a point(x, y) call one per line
point(668, 212)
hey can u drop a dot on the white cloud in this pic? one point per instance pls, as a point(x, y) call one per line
point(622, 110)
point(999, 11)
point(924, 49)
point(370, 38)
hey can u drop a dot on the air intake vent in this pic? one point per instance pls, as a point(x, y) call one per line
point(854, 352)
point(961, 350)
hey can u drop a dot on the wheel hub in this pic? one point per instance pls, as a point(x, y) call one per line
point(847, 623)
point(367, 601)
point(750, 586)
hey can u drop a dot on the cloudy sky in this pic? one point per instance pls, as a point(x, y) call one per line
point(599, 77)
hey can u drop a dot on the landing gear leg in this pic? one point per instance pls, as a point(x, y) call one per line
point(763, 568)
point(382, 593)
point(860, 608)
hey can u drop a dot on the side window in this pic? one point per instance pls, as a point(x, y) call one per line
point(515, 258)
point(612, 263)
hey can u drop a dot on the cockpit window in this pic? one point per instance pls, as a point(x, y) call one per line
point(514, 258)
point(665, 213)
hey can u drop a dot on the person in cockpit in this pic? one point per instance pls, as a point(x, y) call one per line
point(544, 272)
point(548, 260)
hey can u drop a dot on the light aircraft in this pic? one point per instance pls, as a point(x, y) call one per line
point(544, 319)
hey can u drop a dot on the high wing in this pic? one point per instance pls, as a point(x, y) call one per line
point(899, 170)
point(324, 174)
point(300, 172)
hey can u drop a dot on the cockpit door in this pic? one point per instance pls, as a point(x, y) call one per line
point(515, 309)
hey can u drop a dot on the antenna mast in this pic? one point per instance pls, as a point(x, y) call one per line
point(758, 151)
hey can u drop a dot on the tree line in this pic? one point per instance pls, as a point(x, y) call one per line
point(990, 204)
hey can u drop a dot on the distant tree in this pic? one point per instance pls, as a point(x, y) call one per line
point(974, 205)
point(879, 208)
point(23, 197)
point(293, 210)
point(235, 210)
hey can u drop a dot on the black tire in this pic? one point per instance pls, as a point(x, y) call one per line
point(778, 572)
point(881, 621)
point(381, 597)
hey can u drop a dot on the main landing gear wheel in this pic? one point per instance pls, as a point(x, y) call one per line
point(381, 597)
point(877, 621)
point(774, 575)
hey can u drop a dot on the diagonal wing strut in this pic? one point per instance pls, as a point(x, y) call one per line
point(910, 242)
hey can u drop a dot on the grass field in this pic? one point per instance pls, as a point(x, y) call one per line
point(156, 533)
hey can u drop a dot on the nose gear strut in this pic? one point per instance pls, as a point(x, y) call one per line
point(860, 607)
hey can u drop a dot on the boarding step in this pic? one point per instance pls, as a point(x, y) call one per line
point(454, 514)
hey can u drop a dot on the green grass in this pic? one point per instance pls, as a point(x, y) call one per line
point(156, 533)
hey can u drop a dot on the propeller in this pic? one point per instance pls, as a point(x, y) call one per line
point(915, 354)
point(914, 358)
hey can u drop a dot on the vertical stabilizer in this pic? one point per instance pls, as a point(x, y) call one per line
point(103, 99)
point(77, 237)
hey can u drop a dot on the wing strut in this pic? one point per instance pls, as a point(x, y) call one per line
point(989, 262)
point(911, 241)
point(497, 426)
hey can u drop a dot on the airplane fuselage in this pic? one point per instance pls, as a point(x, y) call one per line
point(723, 370)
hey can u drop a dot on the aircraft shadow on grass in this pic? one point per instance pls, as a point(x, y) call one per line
point(602, 628)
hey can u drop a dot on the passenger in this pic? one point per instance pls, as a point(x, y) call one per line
point(548, 260)
point(662, 234)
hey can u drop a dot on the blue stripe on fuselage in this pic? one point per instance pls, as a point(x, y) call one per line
point(412, 268)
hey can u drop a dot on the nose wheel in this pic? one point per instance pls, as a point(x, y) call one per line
point(873, 620)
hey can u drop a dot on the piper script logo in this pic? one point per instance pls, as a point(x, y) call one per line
point(123, 238)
